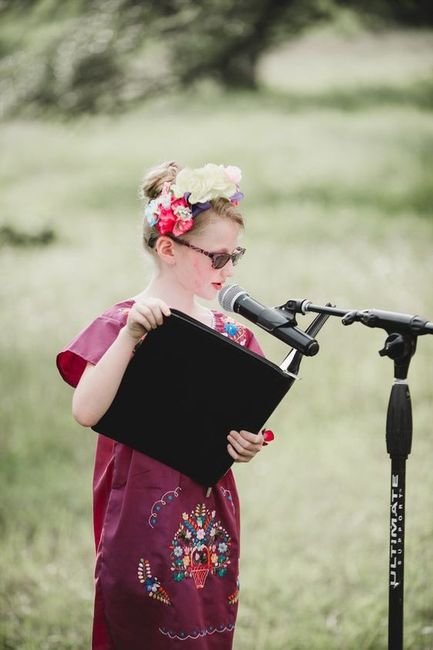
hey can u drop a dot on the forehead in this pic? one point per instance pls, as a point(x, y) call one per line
point(219, 234)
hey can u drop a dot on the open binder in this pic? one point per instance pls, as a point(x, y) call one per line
point(184, 389)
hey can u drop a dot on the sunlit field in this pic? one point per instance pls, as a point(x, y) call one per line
point(337, 175)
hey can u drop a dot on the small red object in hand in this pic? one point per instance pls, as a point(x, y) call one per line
point(268, 436)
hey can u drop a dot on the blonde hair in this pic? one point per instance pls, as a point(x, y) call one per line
point(151, 187)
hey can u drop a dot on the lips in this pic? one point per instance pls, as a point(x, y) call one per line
point(217, 285)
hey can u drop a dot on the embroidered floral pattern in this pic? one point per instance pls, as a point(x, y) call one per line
point(196, 634)
point(201, 545)
point(228, 495)
point(234, 597)
point(163, 501)
point(233, 330)
point(152, 584)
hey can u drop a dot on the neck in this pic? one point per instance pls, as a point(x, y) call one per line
point(174, 296)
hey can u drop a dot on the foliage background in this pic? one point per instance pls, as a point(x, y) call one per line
point(335, 143)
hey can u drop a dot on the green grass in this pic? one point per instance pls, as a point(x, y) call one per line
point(338, 207)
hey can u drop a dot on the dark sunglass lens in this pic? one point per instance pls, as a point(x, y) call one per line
point(220, 260)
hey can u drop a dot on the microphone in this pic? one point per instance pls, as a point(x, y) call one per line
point(234, 298)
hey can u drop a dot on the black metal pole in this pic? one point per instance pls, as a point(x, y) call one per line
point(396, 556)
point(398, 444)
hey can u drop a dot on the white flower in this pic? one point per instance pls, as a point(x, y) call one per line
point(150, 212)
point(204, 184)
point(182, 212)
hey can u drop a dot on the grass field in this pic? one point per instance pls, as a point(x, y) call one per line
point(339, 206)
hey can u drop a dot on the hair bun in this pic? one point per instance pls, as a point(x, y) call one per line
point(154, 179)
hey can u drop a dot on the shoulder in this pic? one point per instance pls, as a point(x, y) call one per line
point(118, 311)
point(230, 328)
point(109, 322)
point(90, 343)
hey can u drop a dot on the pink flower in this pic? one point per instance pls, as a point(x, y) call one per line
point(233, 173)
point(181, 209)
point(182, 226)
point(166, 221)
point(174, 215)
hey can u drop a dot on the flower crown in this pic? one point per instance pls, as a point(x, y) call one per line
point(174, 210)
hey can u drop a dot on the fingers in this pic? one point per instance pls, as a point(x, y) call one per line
point(153, 311)
point(149, 313)
point(244, 445)
point(146, 315)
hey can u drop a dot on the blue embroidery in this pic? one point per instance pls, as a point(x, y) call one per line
point(231, 329)
point(151, 583)
point(169, 496)
point(228, 496)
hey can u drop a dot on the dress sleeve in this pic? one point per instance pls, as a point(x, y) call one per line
point(88, 346)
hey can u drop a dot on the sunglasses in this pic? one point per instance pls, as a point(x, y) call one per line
point(218, 259)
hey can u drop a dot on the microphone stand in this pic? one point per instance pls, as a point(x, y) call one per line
point(400, 346)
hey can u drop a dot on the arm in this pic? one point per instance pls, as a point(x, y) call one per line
point(99, 383)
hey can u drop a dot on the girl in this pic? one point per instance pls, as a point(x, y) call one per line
point(167, 549)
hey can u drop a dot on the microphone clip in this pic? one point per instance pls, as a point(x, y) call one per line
point(290, 309)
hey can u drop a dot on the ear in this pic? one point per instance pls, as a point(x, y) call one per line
point(165, 248)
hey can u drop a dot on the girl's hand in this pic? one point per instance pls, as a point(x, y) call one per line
point(145, 315)
point(244, 445)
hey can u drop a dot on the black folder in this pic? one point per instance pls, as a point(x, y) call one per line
point(183, 391)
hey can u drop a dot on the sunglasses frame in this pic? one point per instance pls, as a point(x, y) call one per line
point(234, 257)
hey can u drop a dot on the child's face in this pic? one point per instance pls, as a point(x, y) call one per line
point(194, 270)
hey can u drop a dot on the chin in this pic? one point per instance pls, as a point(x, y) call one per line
point(207, 294)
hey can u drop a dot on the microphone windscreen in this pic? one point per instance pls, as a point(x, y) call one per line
point(228, 296)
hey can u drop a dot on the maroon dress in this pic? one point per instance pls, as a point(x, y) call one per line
point(167, 550)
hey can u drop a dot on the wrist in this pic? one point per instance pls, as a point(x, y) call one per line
point(129, 339)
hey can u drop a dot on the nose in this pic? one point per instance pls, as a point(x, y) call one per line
point(228, 270)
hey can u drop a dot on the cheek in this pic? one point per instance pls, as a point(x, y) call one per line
point(201, 272)
point(200, 269)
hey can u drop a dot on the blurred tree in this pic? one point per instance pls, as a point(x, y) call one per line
point(101, 54)
point(224, 40)
point(412, 13)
